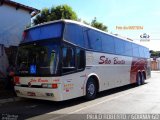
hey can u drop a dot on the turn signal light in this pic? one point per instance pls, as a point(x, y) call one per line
point(16, 80)
point(54, 86)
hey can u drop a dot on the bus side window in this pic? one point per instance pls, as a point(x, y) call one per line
point(68, 62)
point(80, 59)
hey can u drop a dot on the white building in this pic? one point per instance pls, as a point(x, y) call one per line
point(14, 17)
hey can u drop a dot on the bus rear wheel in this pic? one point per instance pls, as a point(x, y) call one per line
point(91, 89)
point(142, 79)
point(138, 82)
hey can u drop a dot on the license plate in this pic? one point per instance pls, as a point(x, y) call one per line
point(31, 94)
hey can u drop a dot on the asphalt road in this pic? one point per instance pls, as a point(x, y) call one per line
point(124, 100)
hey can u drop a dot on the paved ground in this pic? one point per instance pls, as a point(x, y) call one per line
point(125, 100)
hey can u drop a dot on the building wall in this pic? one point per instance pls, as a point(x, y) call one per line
point(155, 64)
point(3, 62)
point(158, 63)
point(12, 24)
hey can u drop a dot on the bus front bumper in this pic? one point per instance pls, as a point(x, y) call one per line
point(39, 93)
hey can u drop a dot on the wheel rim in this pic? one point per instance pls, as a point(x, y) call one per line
point(91, 89)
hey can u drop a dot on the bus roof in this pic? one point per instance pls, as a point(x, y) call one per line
point(82, 24)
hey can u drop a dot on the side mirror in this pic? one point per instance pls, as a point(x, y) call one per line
point(53, 51)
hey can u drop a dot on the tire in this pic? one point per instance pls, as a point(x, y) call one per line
point(142, 79)
point(91, 89)
point(138, 82)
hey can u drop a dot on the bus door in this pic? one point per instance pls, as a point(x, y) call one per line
point(73, 65)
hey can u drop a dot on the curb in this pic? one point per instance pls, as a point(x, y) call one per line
point(14, 99)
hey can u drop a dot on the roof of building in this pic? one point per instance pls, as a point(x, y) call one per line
point(33, 11)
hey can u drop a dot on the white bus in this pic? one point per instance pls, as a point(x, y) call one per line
point(64, 59)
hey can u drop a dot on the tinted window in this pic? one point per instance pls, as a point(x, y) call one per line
point(68, 57)
point(95, 39)
point(135, 50)
point(80, 58)
point(141, 51)
point(146, 52)
point(108, 43)
point(38, 59)
point(119, 46)
point(86, 40)
point(74, 34)
point(128, 48)
point(43, 32)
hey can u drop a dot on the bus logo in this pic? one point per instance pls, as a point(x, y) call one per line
point(144, 37)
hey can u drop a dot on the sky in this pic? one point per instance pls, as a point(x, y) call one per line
point(127, 18)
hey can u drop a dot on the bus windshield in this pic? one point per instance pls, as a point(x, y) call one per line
point(43, 32)
point(38, 59)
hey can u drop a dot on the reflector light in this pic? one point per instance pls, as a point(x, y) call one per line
point(54, 85)
point(44, 85)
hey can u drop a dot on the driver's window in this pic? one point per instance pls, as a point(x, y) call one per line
point(68, 60)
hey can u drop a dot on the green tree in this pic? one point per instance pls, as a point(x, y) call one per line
point(155, 53)
point(99, 25)
point(55, 13)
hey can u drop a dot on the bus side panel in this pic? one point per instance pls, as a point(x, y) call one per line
point(73, 85)
point(112, 70)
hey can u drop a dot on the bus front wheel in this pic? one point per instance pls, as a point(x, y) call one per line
point(91, 89)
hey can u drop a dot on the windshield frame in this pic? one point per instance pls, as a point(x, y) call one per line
point(48, 41)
